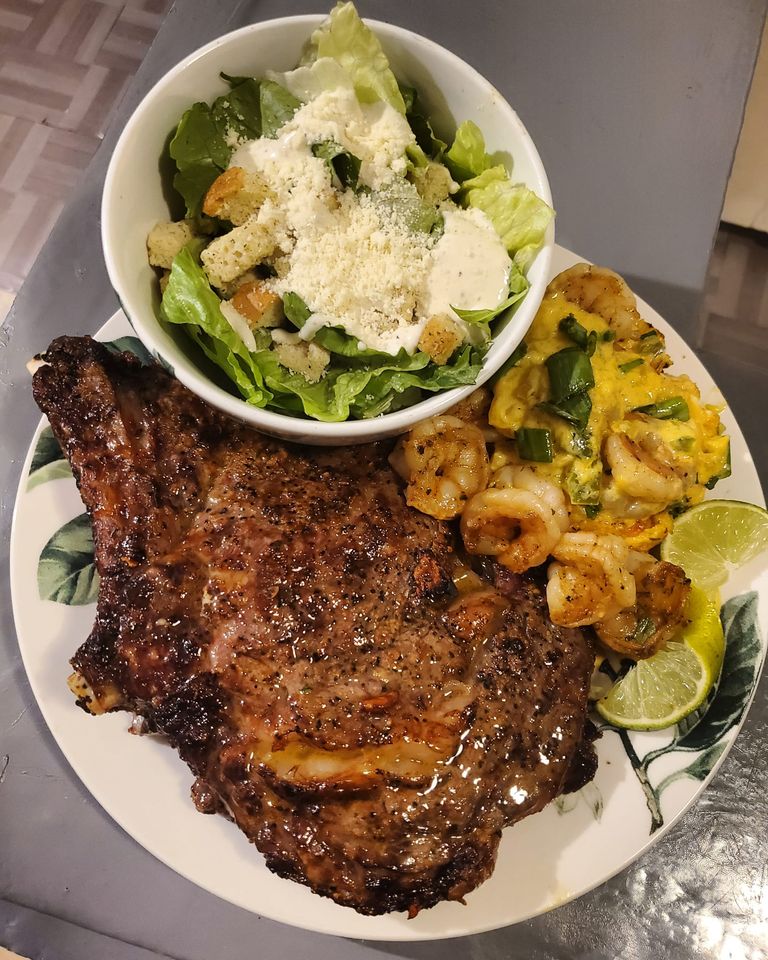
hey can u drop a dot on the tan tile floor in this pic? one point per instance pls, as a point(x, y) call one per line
point(64, 64)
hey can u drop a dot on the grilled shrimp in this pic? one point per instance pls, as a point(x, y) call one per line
point(662, 594)
point(589, 580)
point(474, 408)
point(444, 462)
point(513, 525)
point(638, 474)
point(526, 478)
point(601, 291)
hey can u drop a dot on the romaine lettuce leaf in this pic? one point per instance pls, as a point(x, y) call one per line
point(388, 384)
point(310, 81)
point(466, 157)
point(189, 301)
point(402, 198)
point(359, 383)
point(277, 106)
point(295, 309)
point(343, 165)
point(365, 390)
point(334, 339)
point(345, 38)
point(238, 113)
point(519, 217)
point(202, 144)
point(486, 316)
point(430, 145)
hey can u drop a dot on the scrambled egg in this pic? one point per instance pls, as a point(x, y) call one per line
point(683, 438)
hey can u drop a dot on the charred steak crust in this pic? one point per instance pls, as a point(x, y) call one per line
point(291, 626)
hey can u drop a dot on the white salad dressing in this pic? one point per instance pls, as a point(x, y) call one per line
point(470, 265)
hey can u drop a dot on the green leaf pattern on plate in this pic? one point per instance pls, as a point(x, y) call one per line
point(707, 734)
point(66, 572)
point(130, 345)
point(589, 794)
point(48, 461)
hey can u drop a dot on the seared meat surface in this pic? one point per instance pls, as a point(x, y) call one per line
point(292, 627)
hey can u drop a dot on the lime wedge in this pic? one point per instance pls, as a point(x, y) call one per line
point(715, 537)
point(665, 688)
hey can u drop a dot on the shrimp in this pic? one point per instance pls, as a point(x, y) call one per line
point(513, 525)
point(662, 595)
point(589, 580)
point(601, 291)
point(526, 478)
point(444, 462)
point(474, 408)
point(638, 474)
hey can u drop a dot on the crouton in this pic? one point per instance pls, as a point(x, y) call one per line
point(164, 277)
point(259, 306)
point(440, 337)
point(228, 290)
point(307, 359)
point(235, 195)
point(166, 239)
point(235, 252)
point(434, 182)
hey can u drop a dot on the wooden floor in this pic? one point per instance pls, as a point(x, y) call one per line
point(64, 64)
point(734, 318)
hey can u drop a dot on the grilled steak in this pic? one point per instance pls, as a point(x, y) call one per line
point(291, 626)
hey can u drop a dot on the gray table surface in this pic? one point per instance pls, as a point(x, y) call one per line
point(636, 110)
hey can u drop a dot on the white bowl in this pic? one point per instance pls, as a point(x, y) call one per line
point(136, 195)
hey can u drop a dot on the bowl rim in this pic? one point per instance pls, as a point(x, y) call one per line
point(286, 425)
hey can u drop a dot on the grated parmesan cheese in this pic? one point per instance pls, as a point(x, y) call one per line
point(364, 272)
point(352, 257)
point(373, 132)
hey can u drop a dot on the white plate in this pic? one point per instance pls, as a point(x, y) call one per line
point(576, 843)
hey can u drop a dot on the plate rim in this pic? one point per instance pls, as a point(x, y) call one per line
point(409, 933)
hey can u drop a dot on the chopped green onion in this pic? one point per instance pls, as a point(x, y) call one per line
point(675, 408)
point(592, 510)
point(579, 444)
point(651, 343)
point(570, 372)
point(572, 329)
point(631, 364)
point(608, 336)
point(685, 444)
point(575, 409)
point(534, 444)
point(591, 342)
